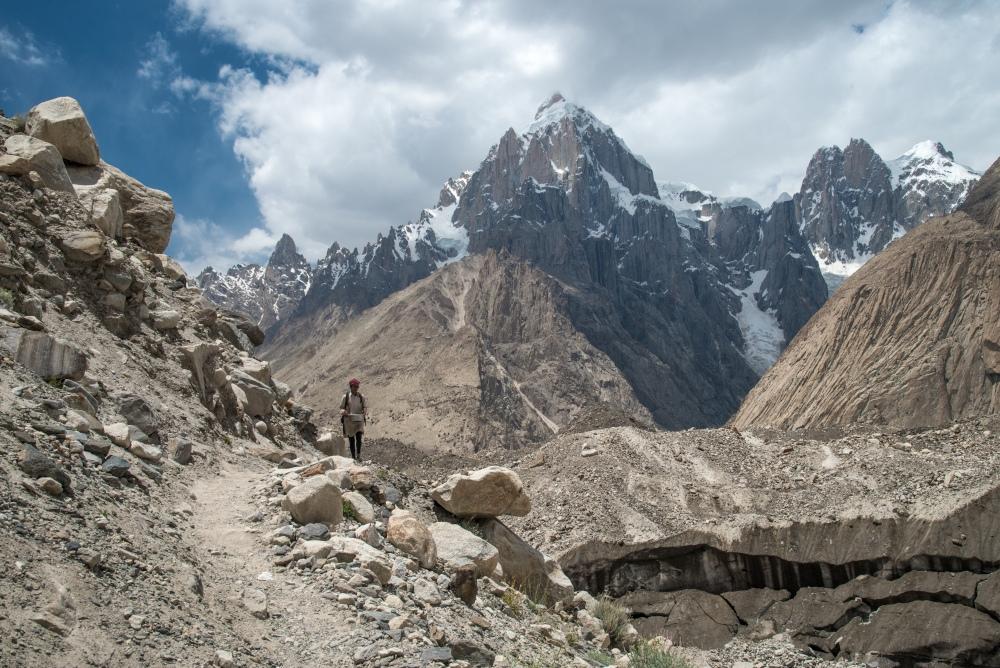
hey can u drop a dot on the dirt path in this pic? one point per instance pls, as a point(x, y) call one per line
point(302, 628)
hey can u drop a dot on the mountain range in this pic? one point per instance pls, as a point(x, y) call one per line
point(684, 297)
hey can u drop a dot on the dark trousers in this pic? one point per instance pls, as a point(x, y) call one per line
point(355, 442)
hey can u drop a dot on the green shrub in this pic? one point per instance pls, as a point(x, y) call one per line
point(349, 512)
point(514, 601)
point(6, 298)
point(20, 120)
point(614, 616)
point(649, 655)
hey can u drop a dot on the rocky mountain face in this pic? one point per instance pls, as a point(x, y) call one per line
point(689, 312)
point(266, 294)
point(911, 339)
point(853, 203)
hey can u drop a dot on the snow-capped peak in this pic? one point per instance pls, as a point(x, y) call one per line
point(930, 160)
point(556, 108)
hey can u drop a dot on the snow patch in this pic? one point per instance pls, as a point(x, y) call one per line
point(763, 338)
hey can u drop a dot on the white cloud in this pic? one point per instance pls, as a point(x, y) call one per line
point(370, 105)
point(24, 50)
point(197, 243)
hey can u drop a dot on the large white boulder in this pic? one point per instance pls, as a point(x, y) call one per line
point(62, 123)
point(488, 492)
point(83, 245)
point(411, 536)
point(43, 158)
point(315, 500)
point(458, 547)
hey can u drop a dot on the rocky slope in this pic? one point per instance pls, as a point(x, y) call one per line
point(689, 312)
point(853, 203)
point(911, 339)
point(265, 294)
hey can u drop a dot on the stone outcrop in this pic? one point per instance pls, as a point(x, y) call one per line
point(690, 618)
point(489, 492)
point(909, 340)
point(62, 123)
point(534, 572)
point(147, 213)
point(44, 354)
point(41, 157)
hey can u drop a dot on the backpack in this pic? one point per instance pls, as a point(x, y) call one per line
point(346, 402)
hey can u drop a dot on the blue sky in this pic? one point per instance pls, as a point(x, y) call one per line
point(331, 120)
point(166, 141)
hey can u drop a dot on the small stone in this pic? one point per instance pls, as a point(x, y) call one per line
point(224, 659)
point(255, 601)
point(136, 621)
point(116, 466)
point(50, 486)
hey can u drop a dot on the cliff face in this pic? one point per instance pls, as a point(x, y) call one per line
point(912, 339)
point(853, 203)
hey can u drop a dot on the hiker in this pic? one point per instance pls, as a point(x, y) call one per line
point(353, 414)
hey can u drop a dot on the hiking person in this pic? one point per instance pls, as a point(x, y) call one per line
point(353, 414)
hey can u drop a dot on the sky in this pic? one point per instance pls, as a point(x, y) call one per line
point(332, 120)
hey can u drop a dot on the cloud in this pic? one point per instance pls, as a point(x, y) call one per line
point(197, 243)
point(161, 65)
point(24, 50)
point(366, 107)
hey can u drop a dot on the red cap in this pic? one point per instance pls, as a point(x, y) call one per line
point(354, 381)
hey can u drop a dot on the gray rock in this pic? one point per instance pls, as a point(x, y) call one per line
point(182, 450)
point(138, 413)
point(314, 531)
point(36, 465)
point(488, 492)
point(116, 466)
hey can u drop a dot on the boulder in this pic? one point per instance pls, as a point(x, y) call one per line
point(61, 122)
point(171, 268)
point(183, 449)
point(817, 607)
point(195, 358)
point(332, 444)
point(147, 213)
point(43, 354)
point(411, 536)
point(138, 413)
point(145, 451)
point(118, 432)
point(488, 492)
point(458, 547)
point(259, 398)
point(534, 572)
point(164, 319)
point(315, 500)
point(369, 534)
point(257, 369)
point(43, 158)
point(363, 511)
point(924, 632)
point(83, 246)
